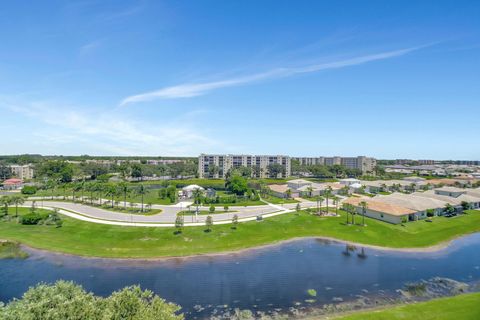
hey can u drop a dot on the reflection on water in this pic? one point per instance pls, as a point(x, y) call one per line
point(266, 279)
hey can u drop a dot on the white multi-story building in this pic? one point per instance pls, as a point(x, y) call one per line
point(24, 172)
point(366, 164)
point(217, 166)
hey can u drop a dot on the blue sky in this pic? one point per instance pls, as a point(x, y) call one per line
point(390, 79)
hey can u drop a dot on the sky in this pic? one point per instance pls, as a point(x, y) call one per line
point(388, 79)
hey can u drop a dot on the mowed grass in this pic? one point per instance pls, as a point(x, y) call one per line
point(463, 307)
point(89, 239)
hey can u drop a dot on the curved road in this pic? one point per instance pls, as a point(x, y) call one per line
point(164, 219)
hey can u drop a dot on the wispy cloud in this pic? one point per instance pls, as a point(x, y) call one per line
point(90, 47)
point(188, 90)
point(106, 133)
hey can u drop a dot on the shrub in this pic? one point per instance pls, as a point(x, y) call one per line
point(30, 218)
point(29, 190)
point(212, 209)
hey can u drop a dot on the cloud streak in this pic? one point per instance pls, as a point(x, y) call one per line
point(197, 89)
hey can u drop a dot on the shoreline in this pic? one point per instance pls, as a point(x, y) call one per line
point(430, 249)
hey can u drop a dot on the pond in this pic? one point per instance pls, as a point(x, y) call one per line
point(266, 279)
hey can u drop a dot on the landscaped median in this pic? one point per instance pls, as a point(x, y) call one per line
point(92, 239)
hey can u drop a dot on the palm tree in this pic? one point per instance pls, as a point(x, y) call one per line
point(319, 200)
point(64, 188)
point(111, 191)
point(288, 193)
point(123, 188)
point(52, 184)
point(335, 202)
point(328, 194)
point(347, 208)
point(310, 191)
point(197, 196)
point(17, 200)
point(91, 187)
point(81, 186)
point(142, 191)
point(6, 201)
point(75, 188)
point(364, 206)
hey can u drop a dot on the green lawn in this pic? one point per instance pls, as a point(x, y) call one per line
point(151, 196)
point(84, 238)
point(277, 200)
point(463, 307)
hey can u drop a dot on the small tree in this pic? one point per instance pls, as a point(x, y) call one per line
point(235, 221)
point(209, 223)
point(298, 208)
point(225, 207)
point(466, 205)
point(179, 222)
point(430, 213)
point(211, 209)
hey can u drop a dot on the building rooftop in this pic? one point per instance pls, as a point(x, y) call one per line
point(382, 207)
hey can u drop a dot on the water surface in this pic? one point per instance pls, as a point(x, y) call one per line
point(265, 279)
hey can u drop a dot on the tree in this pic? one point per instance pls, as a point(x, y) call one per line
point(5, 201)
point(211, 209)
point(123, 189)
point(235, 221)
point(237, 184)
point(364, 206)
point(275, 169)
point(111, 191)
point(298, 208)
point(430, 213)
point(56, 169)
point(142, 191)
point(335, 202)
point(52, 185)
point(466, 205)
point(288, 193)
point(17, 200)
point(310, 191)
point(319, 200)
point(209, 223)
point(179, 222)
point(136, 171)
point(225, 207)
point(213, 170)
point(449, 209)
point(67, 300)
point(328, 194)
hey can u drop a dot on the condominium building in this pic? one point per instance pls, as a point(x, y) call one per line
point(365, 164)
point(217, 166)
point(24, 172)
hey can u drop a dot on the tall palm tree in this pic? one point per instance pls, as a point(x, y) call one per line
point(111, 191)
point(319, 200)
point(81, 186)
point(5, 201)
point(52, 185)
point(17, 200)
point(335, 202)
point(142, 191)
point(123, 188)
point(347, 208)
point(197, 196)
point(364, 206)
point(310, 191)
point(328, 194)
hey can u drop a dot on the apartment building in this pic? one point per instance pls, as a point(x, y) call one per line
point(363, 163)
point(24, 172)
point(217, 166)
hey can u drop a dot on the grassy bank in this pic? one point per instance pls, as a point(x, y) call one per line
point(10, 250)
point(463, 307)
point(89, 239)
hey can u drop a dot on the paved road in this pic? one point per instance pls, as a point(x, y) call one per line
point(166, 217)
